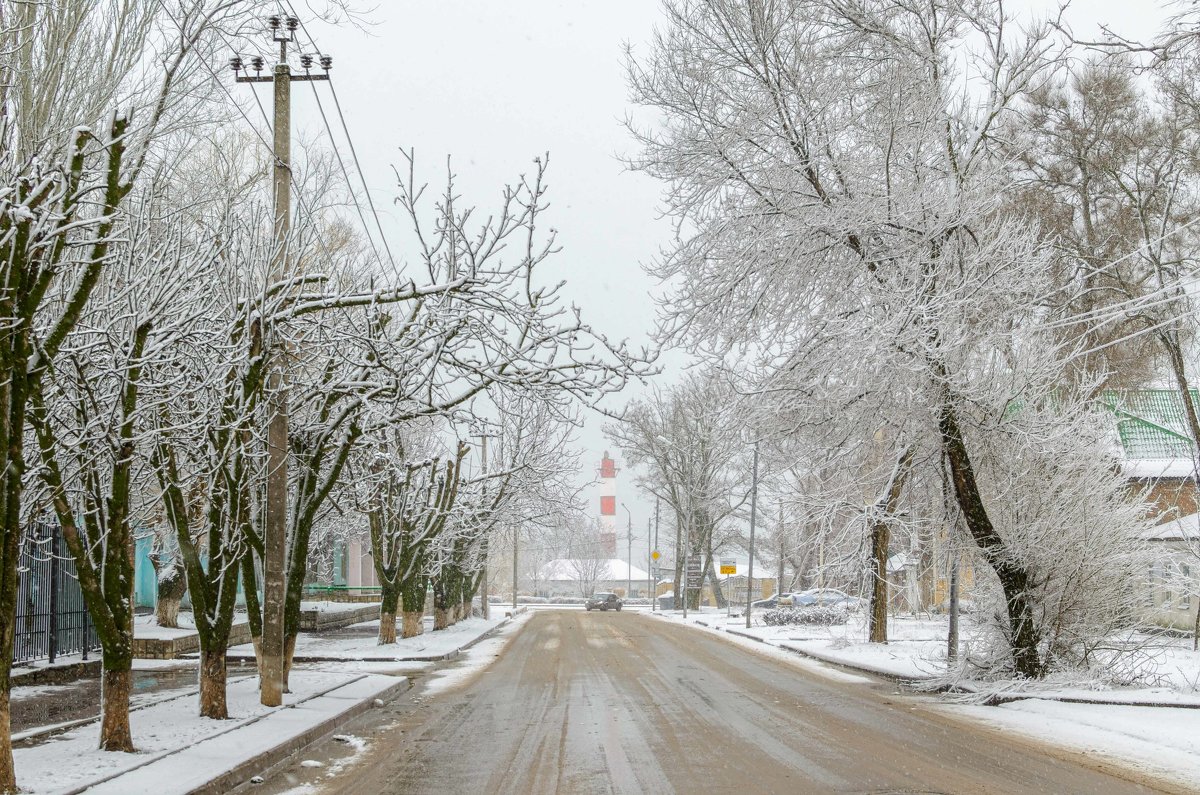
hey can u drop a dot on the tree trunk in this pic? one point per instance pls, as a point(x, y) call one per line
point(880, 540)
point(253, 609)
point(441, 603)
point(387, 628)
point(412, 625)
point(212, 684)
point(289, 656)
point(881, 535)
point(166, 612)
point(412, 602)
point(8, 777)
point(1014, 578)
point(172, 585)
point(718, 592)
point(389, 601)
point(116, 685)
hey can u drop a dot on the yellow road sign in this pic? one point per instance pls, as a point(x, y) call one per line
point(655, 555)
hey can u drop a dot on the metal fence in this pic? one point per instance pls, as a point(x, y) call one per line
point(52, 619)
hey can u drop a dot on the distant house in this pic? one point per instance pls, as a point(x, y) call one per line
point(1171, 586)
point(1155, 448)
point(1156, 452)
point(585, 576)
point(733, 586)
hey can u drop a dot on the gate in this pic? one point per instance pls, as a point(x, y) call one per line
point(52, 619)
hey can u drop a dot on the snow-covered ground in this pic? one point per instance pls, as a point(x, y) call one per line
point(146, 626)
point(916, 650)
point(1162, 741)
point(178, 750)
point(358, 642)
point(474, 659)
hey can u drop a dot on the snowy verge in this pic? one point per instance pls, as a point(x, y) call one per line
point(477, 657)
point(916, 653)
point(431, 646)
point(179, 752)
point(1160, 741)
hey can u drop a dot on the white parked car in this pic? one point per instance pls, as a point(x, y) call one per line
point(828, 597)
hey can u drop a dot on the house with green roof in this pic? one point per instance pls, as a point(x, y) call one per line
point(1155, 447)
point(1156, 453)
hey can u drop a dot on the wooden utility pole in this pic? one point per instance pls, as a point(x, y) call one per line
point(283, 31)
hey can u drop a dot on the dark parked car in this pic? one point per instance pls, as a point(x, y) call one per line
point(603, 601)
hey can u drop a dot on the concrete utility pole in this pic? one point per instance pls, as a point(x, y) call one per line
point(654, 590)
point(649, 566)
point(480, 430)
point(753, 510)
point(283, 32)
point(779, 580)
point(628, 553)
point(516, 534)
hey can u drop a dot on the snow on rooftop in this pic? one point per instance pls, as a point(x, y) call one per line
point(1187, 527)
point(1155, 468)
point(577, 569)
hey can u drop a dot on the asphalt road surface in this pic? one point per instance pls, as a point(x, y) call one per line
point(620, 702)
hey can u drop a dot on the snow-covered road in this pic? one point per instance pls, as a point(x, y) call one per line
point(618, 702)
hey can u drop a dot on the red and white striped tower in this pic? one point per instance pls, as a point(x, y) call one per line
point(608, 506)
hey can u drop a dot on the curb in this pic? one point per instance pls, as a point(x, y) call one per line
point(57, 674)
point(238, 778)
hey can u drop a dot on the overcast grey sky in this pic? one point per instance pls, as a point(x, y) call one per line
point(495, 84)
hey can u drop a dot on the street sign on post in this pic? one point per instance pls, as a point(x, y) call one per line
point(695, 572)
point(728, 566)
point(655, 555)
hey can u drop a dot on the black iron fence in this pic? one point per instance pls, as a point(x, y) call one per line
point(52, 619)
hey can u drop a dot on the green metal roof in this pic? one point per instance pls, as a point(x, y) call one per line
point(1150, 422)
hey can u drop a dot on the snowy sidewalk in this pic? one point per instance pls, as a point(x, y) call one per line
point(180, 752)
point(359, 643)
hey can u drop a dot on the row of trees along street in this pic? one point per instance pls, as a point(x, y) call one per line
point(916, 242)
point(144, 315)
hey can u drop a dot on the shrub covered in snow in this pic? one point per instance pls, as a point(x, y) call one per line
point(823, 615)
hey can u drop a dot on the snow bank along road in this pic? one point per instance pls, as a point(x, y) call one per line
point(619, 702)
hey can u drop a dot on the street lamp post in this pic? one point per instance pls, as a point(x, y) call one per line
point(753, 509)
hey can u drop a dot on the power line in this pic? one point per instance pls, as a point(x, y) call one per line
point(350, 141)
point(346, 176)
